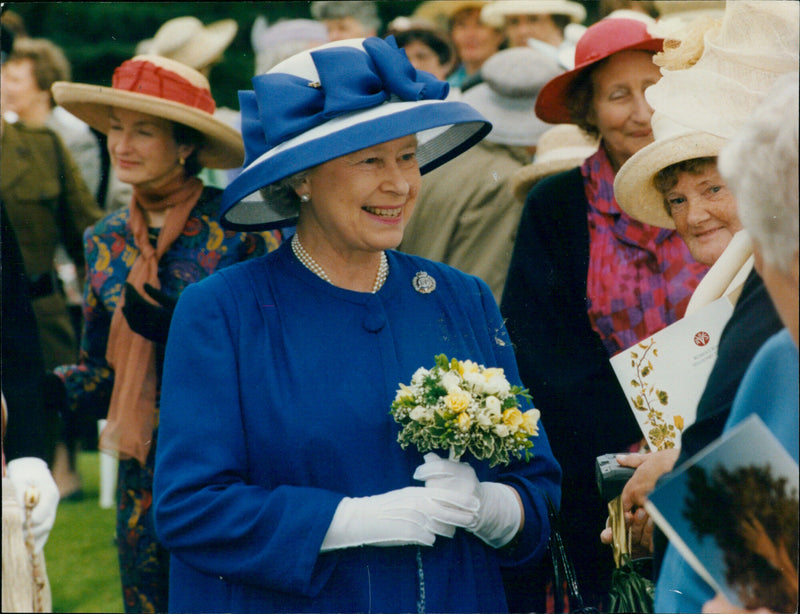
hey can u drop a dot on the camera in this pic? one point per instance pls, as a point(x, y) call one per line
point(611, 476)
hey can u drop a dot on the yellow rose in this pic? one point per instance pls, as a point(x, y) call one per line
point(530, 421)
point(457, 400)
point(512, 418)
point(464, 421)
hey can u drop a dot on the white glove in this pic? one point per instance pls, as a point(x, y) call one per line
point(500, 515)
point(32, 472)
point(411, 515)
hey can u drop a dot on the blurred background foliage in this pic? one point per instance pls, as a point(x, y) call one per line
point(98, 36)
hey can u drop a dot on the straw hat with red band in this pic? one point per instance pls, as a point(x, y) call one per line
point(161, 87)
point(601, 40)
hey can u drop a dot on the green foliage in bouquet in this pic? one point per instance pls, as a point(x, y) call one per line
point(461, 406)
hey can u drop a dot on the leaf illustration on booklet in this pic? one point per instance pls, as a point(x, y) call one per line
point(664, 375)
point(660, 433)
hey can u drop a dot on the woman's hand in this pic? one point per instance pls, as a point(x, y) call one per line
point(500, 515)
point(146, 319)
point(649, 468)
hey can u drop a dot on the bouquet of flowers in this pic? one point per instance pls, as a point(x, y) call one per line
point(462, 406)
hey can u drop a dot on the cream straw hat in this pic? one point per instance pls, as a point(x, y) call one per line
point(162, 87)
point(562, 147)
point(697, 109)
point(187, 40)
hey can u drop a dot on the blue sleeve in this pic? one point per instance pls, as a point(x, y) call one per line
point(679, 588)
point(533, 480)
point(208, 512)
point(769, 388)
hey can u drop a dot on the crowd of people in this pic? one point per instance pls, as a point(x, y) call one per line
point(239, 293)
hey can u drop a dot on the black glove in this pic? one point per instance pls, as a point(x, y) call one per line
point(148, 320)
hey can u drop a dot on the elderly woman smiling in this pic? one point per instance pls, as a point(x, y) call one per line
point(586, 280)
point(674, 183)
point(300, 498)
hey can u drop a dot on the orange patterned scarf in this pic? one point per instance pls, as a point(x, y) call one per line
point(131, 414)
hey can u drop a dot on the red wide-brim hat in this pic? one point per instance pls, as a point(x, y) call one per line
point(601, 40)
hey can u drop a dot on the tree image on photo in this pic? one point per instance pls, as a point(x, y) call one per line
point(753, 518)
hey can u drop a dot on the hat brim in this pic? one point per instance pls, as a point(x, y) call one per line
point(223, 146)
point(634, 189)
point(216, 38)
point(551, 103)
point(444, 128)
point(576, 12)
point(205, 46)
point(526, 177)
point(437, 9)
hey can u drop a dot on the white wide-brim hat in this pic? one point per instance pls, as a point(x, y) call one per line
point(334, 100)
point(697, 109)
point(157, 86)
point(561, 148)
point(500, 9)
point(187, 40)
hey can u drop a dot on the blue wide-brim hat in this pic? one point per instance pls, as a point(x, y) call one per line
point(334, 100)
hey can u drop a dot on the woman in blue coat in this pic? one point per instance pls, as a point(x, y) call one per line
point(280, 485)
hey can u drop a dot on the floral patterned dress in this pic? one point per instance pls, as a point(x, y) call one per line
point(203, 248)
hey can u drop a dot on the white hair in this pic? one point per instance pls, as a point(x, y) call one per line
point(760, 165)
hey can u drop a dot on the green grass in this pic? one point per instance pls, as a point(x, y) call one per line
point(80, 553)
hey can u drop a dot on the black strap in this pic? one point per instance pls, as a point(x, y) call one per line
point(563, 571)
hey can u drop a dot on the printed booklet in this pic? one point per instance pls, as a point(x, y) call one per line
point(732, 512)
point(663, 376)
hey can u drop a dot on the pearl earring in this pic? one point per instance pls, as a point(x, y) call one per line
point(304, 198)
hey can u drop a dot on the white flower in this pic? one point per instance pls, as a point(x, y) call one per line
point(469, 366)
point(501, 430)
point(474, 381)
point(494, 408)
point(421, 414)
point(451, 381)
point(483, 417)
point(498, 385)
point(419, 375)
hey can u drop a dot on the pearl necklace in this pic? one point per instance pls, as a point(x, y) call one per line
point(307, 261)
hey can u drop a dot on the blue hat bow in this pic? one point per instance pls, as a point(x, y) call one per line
point(349, 80)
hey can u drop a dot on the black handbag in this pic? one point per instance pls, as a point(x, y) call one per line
point(565, 581)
